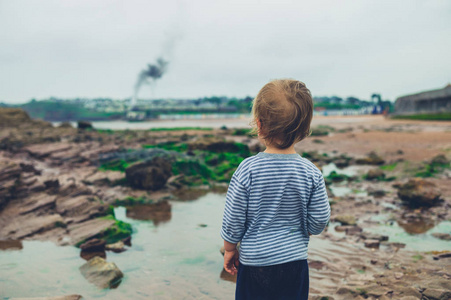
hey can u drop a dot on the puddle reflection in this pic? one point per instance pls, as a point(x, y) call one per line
point(11, 245)
point(416, 226)
point(157, 213)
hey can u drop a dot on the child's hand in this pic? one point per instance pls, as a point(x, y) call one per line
point(231, 261)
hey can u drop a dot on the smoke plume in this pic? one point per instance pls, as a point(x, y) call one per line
point(149, 75)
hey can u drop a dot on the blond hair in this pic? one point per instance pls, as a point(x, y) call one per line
point(284, 109)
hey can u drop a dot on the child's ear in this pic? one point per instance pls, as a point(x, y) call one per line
point(259, 126)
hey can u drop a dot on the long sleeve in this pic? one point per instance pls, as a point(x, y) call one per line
point(234, 219)
point(318, 210)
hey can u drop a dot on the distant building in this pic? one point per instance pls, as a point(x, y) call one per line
point(435, 101)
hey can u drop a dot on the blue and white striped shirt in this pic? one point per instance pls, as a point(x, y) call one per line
point(273, 202)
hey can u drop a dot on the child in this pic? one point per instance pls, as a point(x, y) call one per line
point(275, 201)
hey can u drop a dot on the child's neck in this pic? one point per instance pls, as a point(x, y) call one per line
point(275, 150)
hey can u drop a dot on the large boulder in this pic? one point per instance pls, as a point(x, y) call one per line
point(101, 273)
point(149, 175)
point(418, 192)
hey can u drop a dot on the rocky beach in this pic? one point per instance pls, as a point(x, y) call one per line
point(388, 183)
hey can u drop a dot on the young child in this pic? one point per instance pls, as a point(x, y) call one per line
point(275, 201)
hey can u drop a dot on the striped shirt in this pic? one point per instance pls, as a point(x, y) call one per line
point(273, 202)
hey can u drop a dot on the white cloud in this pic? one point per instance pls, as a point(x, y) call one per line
point(97, 48)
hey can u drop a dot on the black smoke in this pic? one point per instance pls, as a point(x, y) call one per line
point(149, 75)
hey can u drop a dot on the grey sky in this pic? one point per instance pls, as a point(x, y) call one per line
point(96, 48)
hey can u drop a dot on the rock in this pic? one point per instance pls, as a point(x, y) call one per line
point(376, 291)
point(410, 298)
point(375, 174)
point(101, 273)
point(409, 292)
point(29, 168)
point(442, 236)
point(418, 192)
point(84, 125)
point(52, 184)
point(103, 178)
point(442, 255)
point(372, 244)
point(374, 236)
point(215, 144)
point(37, 202)
point(322, 297)
point(69, 297)
point(353, 230)
point(80, 232)
point(42, 151)
point(10, 174)
point(399, 275)
point(80, 208)
point(439, 160)
point(88, 255)
point(371, 159)
point(93, 245)
point(436, 294)
point(346, 290)
point(376, 193)
point(9, 170)
point(24, 226)
point(127, 241)
point(116, 247)
point(341, 163)
point(150, 175)
point(345, 219)
point(12, 117)
point(397, 245)
point(374, 261)
point(222, 250)
point(316, 264)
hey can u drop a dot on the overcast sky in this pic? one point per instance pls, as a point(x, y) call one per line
point(96, 48)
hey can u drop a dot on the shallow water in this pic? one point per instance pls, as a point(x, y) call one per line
point(177, 259)
point(237, 122)
point(174, 255)
point(417, 237)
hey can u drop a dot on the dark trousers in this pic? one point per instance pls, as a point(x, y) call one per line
point(288, 281)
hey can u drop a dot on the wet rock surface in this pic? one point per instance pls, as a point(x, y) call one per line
point(418, 192)
point(150, 175)
point(53, 187)
point(101, 273)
